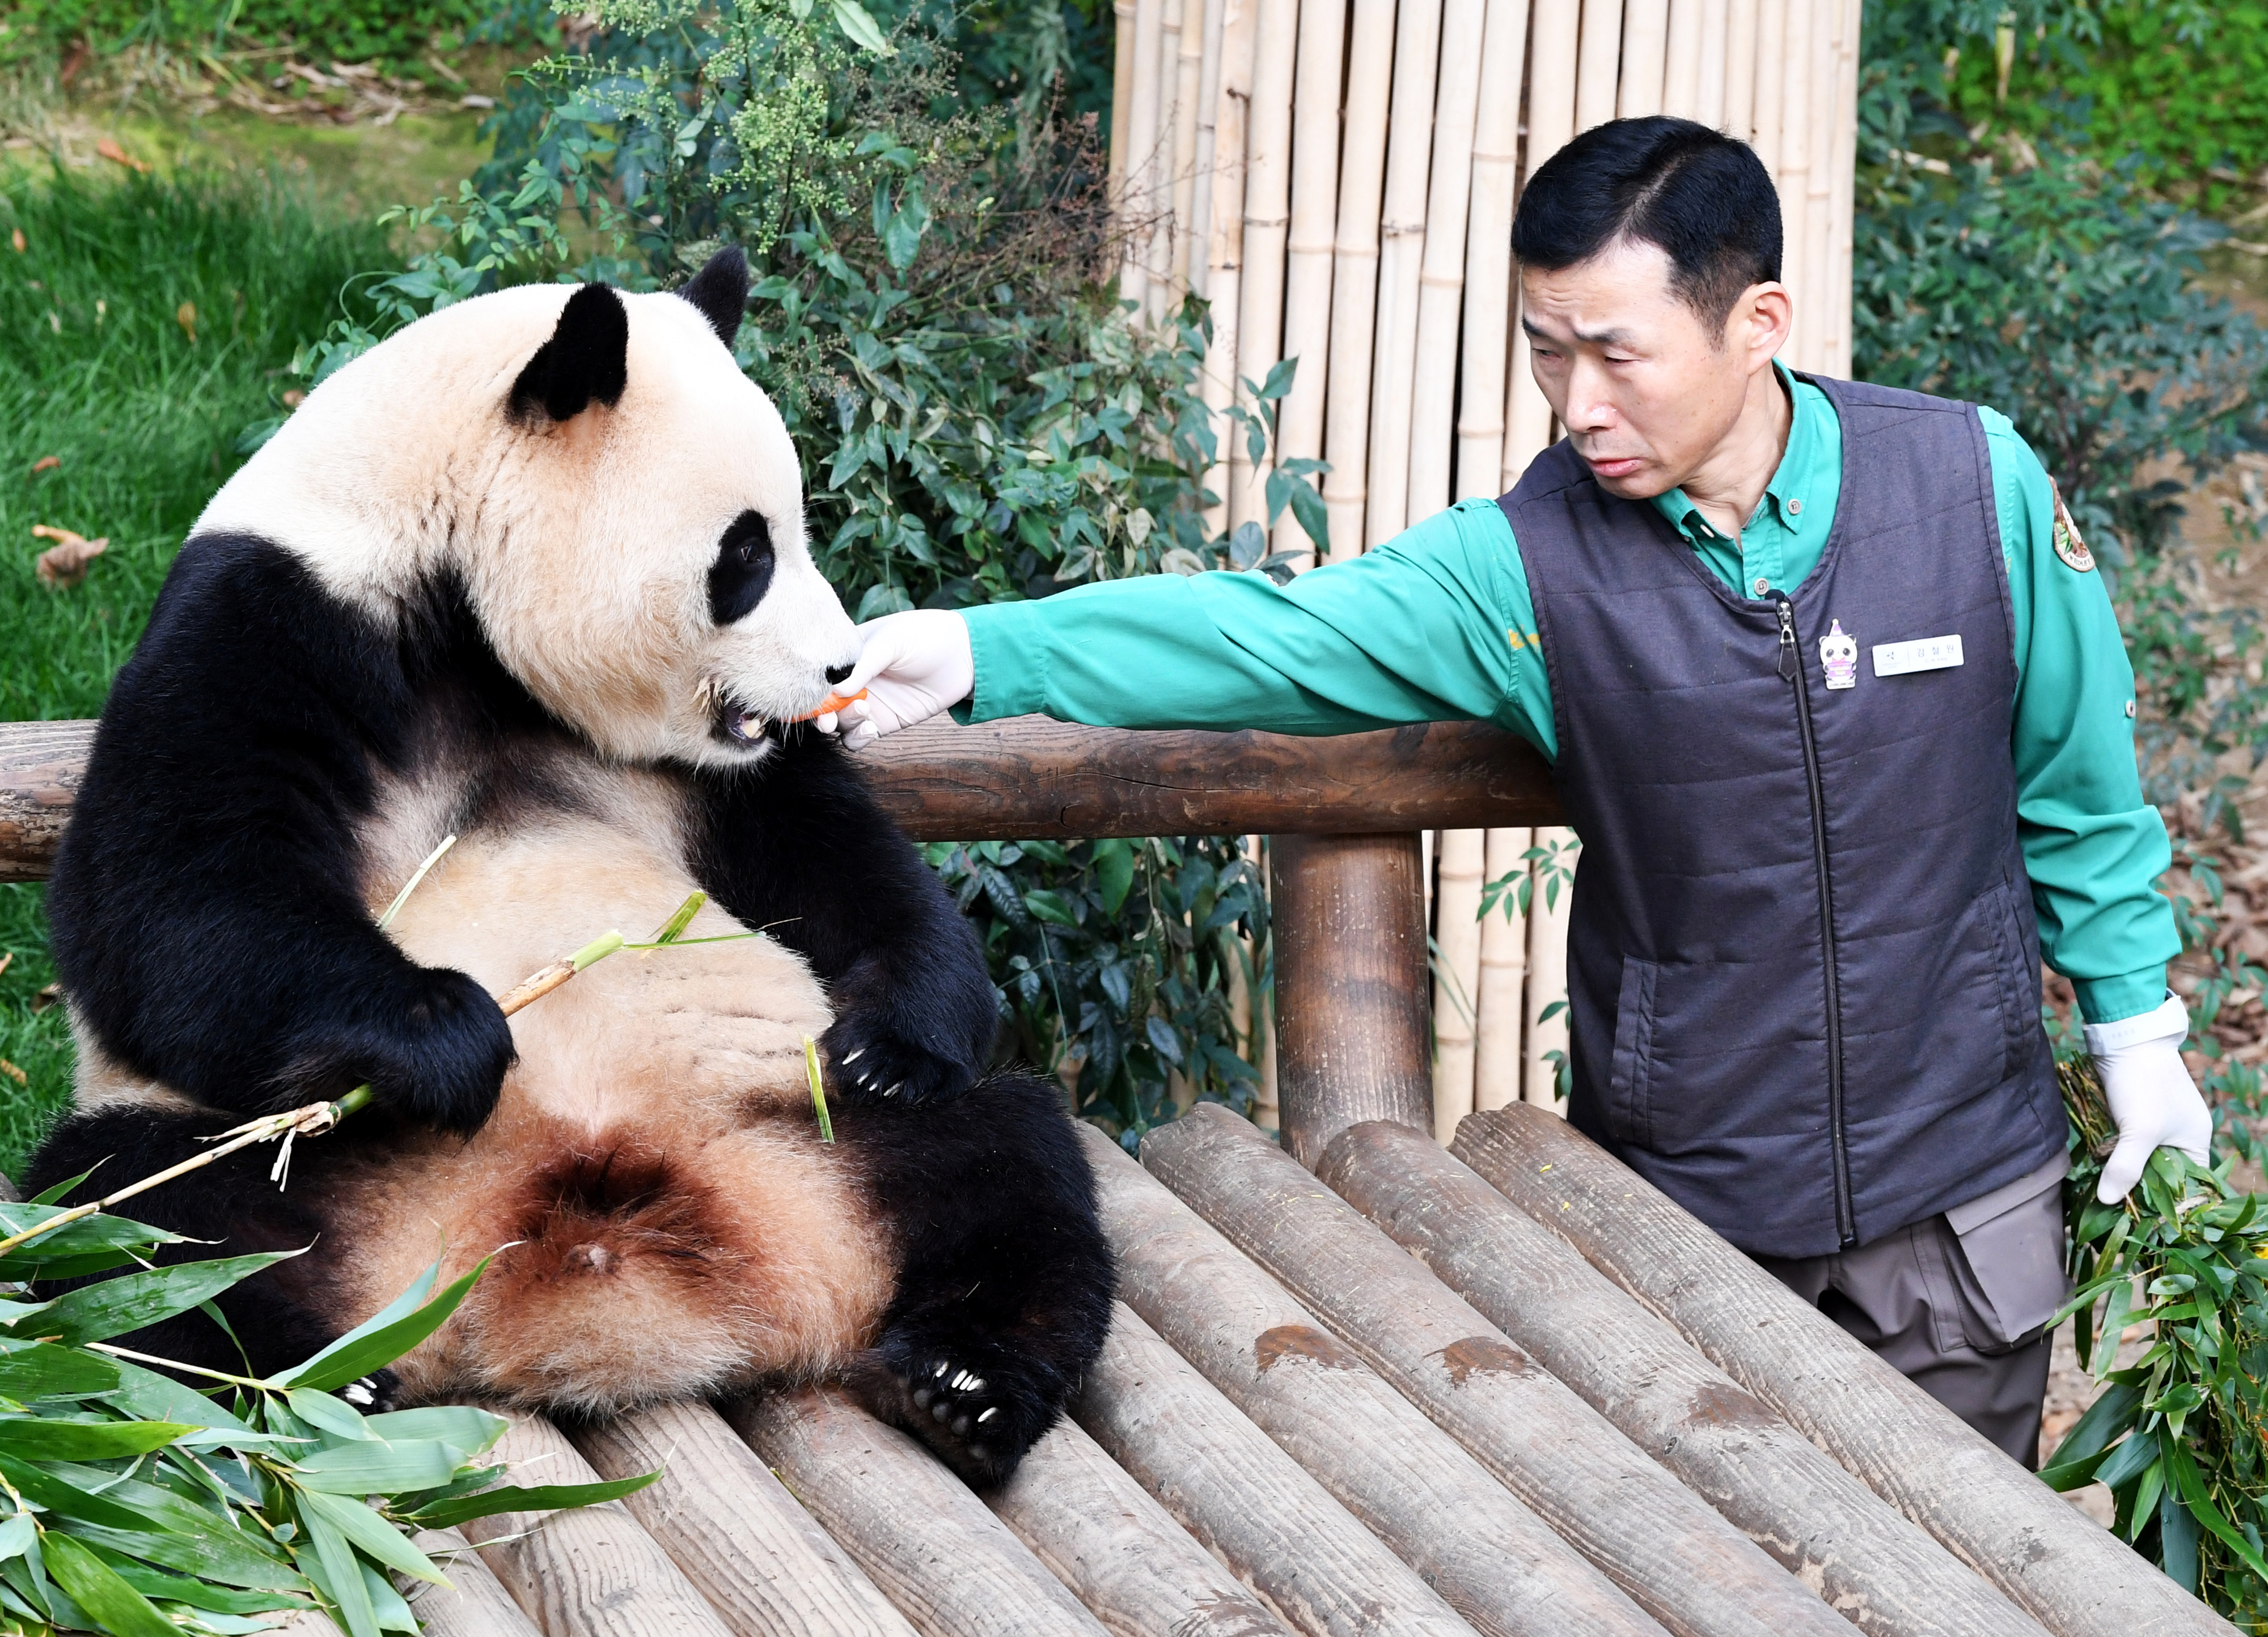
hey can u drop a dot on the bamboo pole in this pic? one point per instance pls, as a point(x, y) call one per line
point(1504, 977)
point(590, 1572)
point(1683, 54)
point(1769, 81)
point(1646, 44)
point(1430, 399)
point(1189, 85)
point(1402, 257)
point(1553, 49)
point(1267, 216)
point(1098, 1532)
point(1819, 187)
point(1171, 171)
point(1655, 1538)
point(1792, 174)
point(1739, 113)
point(2078, 1579)
point(474, 1604)
point(1203, 227)
point(1354, 275)
point(753, 1554)
point(1548, 914)
point(1854, 1551)
point(1843, 209)
point(1716, 29)
point(1457, 985)
point(1413, 1487)
point(948, 1565)
point(1488, 251)
point(1598, 64)
point(1225, 257)
point(1122, 98)
point(1142, 158)
point(1311, 260)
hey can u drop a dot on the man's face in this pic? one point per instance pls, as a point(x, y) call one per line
point(1646, 392)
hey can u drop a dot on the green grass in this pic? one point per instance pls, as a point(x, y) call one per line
point(96, 369)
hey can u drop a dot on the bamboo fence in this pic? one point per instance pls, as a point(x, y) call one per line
point(1338, 176)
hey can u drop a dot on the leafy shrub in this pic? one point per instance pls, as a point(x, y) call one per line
point(350, 31)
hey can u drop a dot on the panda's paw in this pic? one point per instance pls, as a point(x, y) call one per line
point(374, 1394)
point(975, 1402)
point(443, 1051)
point(871, 1063)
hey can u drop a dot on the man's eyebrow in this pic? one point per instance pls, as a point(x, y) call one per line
point(1596, 338)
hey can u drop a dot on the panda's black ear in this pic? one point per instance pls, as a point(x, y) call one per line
point(720, 290)
point(586, 357)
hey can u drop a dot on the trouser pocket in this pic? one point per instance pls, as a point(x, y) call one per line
point(2007, 1270)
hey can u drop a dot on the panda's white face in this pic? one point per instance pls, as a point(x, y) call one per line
point(620, 505)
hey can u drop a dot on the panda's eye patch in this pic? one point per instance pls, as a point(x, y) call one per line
point(742, 572)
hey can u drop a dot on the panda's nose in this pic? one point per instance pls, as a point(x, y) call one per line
point(835, 673)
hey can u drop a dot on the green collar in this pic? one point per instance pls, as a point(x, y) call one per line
point(1794, 482)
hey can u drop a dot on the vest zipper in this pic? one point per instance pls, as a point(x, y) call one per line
point(1791, 668)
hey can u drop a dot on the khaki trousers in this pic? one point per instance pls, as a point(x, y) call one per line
point(1957, 1304)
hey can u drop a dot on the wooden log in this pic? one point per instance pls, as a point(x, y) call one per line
point(1350, 935)
point(2078, 1578)
point(1870, 1565)
point(1354, 275)
point(756, 1557)
point(1457, 980)
point(1031, 777)
point(1267, 218)
point(1686, 1567)
point(1503, 976)
point(1250, 1503)
point(1101, 1534)
point(1496, 1563)
point(1309, 257)
point(590, 1572)
point(950, 1566)
point(475, 1603)
point(1488, 252)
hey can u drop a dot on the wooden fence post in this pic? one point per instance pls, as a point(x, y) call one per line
point(1349, 923)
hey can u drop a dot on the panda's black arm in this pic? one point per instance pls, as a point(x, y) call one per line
point(798, 844)
point(206, 916)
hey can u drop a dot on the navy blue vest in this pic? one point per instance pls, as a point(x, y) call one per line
point(1803, 970)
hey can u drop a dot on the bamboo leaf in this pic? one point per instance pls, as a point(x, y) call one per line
point(40, 1439)
point(151, 1397)
point(325, 1414)
point(536, 1498)
point(2183, 1471)
point(392, 1312)
point(134, 1301)
point(43, 1489)
point(96, 1588)
point(37, 1370)
point(336, 1571)
point(373, 1346)
point(469, 1429)
point(374, 1468)
point(372, 1534)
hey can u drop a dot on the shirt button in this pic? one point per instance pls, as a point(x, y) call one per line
point(1795, 507)
point(1763, 585)
point(2130, 710)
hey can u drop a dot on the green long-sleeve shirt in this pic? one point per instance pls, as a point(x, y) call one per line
point(1438, 625)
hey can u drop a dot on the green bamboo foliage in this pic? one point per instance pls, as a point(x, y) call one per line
point(2177, 1434)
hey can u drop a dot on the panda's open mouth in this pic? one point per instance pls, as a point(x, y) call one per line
point(733, 722)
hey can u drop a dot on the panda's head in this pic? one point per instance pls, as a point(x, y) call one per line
point(619, 505)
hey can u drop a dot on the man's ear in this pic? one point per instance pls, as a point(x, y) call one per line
point(720, 290)
point(1762, 322)
point(586, 357)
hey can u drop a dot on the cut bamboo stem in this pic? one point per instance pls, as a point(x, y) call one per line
point(2078, 1579)
point(1352, 317)
point(1401, 261)
point(1598, 64)
point(1213, 19)
point(1488, 253)
point(1189, 47)
point(1857, 1553)
point(1686, 1567)
point(1250, 1504)
point(1646, 44)
point(1683, 52)
point(753, 1554)
point(1100, 1533)
point(1267, 217)
point(1431, 404)
point(1225, 268)
point(1457, 981)
point(1739, 115)
point(1310, 271)
point(1504, 977)
point(947, 1563)
point(1142, 156)
point(1548, 914)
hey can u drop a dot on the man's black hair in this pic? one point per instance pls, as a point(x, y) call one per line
point(1703, 197)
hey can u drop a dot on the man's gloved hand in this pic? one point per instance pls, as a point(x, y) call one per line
point(913, 665)
point(2150, 1095)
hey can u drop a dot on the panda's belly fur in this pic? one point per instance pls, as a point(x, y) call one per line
point(665, 1219)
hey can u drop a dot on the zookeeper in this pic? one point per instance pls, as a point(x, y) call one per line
point(1835, 700)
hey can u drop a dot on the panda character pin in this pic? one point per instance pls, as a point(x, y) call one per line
point(1839, 657)
point(533, 571)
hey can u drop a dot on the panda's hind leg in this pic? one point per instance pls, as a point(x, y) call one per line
point(1003, 1295)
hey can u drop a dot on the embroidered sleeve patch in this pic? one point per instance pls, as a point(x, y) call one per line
point(2068, 544)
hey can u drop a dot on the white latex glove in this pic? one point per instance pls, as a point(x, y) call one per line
point(913, 665)
point(2152, 1098)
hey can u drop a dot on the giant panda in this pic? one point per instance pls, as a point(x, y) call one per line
point(533, 572)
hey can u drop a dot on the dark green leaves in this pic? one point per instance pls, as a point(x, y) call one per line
point(379, 1341)
point(133, 1301)
point(534, 1498)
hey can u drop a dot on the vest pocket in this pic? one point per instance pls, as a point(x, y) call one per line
point(2020, 1017)
point(1629, 1085)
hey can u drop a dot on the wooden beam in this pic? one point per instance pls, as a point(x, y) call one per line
point(951, 1566)
point(1030, 777)
point(1682, 1563)
point(1793, 1500)
point(475, 1603)
point(756, 1557)
point(1416, 1489)
point(2078, 1579)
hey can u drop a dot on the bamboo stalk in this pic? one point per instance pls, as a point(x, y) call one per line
point(1841, 207)
point(1738, 116)
point(1553, 49)
point(1792, 174)
point(1402, 256)
point(1203, 179)
point(1683, 54)
point(1504, 977)
point(1354, 275)
point(1547, 979)
point(1819, 188)
point(1598, 64)
point(1188, 79)
point(1716, 29)
point(1488, 251)
point(1142, 153)
point(1122, 98)
point(1457, 983)
point(1309, 259)
point(1170, 170)
point(1267, 215)
point(1646, 42)
point(1431, 411)
point(1764, 117)
point(1225, 260)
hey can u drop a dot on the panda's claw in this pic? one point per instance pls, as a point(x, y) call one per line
point(373, 1394)
point(976, 1400)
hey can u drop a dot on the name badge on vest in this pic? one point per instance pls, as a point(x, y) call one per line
point(1927, 653)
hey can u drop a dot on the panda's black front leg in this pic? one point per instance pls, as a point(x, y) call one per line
point(798, 845)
